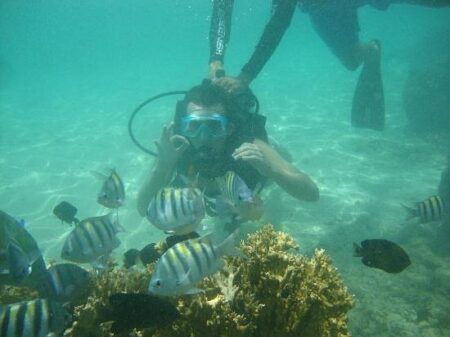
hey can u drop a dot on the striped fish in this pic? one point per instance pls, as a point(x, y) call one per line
point(428, 210)
point(112, 194)
point(91, 239)
point(177, 210)
point(233, 188)
point(18, 251)
point(63, 282)
point(182, 266)
point(236, 198)
point(37, 318)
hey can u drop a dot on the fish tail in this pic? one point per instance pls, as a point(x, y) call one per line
point(227, 246)
point(411, 212)
point(357, 250)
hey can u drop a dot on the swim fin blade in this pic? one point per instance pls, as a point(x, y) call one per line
point(368, 101)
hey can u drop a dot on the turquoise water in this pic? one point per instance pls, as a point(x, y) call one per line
point(72, 72)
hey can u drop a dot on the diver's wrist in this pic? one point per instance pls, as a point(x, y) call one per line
point(244, 78)
point(163, 167)
point(213, 67)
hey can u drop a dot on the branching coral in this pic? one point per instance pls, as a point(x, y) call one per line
point(271, 291)
point(226, 283)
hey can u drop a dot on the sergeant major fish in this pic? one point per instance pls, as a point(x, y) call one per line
point(236, 198)
point(18, 251)
point(91, 239)
point(177, 210)
point(151, 252)
point(112, 194)
point(428, 210)
point(182, 266)
point(37, 318)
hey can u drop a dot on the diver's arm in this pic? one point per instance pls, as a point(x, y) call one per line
point(219, 34)
point(170, 148)
point(282, 13)
point(270, 164)
point(159, 177)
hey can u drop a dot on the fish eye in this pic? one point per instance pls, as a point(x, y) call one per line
point(158, 283)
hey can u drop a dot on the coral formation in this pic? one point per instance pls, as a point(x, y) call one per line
point(270, 291)
point(10, 294)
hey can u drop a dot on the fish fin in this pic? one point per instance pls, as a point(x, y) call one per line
point(224, 207)
point(412, 212)
point(98, 265)
point(100, 176)
point(357, 250)
point(193, 291)
point(117, 226)
point(227, 246)
point(189, 182)
point(184, 279)
point(207, 238)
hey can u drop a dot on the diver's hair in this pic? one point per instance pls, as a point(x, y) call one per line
point(208, 94)
point(205, 94)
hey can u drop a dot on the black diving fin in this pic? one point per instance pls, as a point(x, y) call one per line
point(368, 101)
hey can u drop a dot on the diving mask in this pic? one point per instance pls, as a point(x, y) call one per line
point(209, 126)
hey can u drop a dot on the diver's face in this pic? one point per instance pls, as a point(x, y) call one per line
point(205, 126)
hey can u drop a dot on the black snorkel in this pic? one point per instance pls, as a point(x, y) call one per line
point(246, 100)
point(138, 109)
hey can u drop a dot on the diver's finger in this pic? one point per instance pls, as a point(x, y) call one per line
point(170, 128)
point(158, 146)
point(249, 157)
point(241, 148)
point(180, 143)
point(183, 147)
point(247, 150)
point(165, 134)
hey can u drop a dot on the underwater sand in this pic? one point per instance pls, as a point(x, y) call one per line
point(55, 130)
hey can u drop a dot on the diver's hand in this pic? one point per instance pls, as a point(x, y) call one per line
point(251, 153)
point(231, 84)
point(170, 147)
point(214, 66)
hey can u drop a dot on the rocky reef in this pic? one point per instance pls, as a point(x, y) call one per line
point(425, 93)
point(270, 291)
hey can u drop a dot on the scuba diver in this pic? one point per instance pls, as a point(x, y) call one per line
point(214, 132)
point(336, 22)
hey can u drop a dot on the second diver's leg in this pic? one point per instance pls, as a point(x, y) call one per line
point(337, 25)
point(368, 110)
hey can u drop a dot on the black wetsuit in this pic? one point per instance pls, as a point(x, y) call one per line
point(336, 22)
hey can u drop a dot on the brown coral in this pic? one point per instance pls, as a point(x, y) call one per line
point(272, 291)
point(279, 294)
